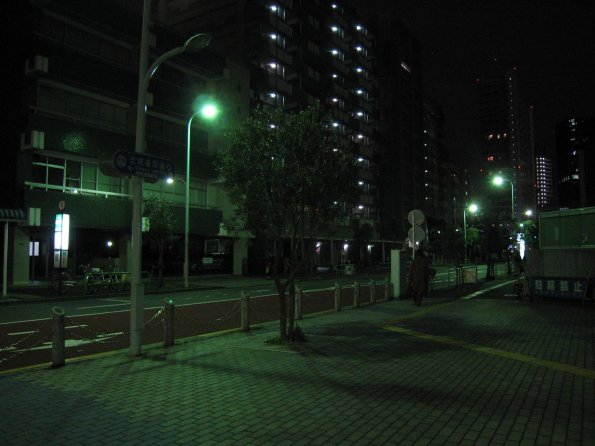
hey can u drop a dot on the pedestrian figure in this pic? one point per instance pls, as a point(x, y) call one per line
point(419, 276)
point(491, 267)
point(270, 266)
point(518, 263)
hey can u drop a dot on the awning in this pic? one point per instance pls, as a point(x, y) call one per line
point(18, 215)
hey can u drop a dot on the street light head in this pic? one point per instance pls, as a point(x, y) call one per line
point(473, 208)
point(169, 180)
point(498, 180)
point(209, 111)
point(197, 42)
point(528, 212)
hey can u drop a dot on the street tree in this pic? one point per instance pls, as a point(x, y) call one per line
point(289, 177)
point(161, 226)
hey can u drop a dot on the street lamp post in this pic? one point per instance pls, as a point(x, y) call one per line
point(498, 181)
point(473, 209)
point(187, 202)
point(193, 44)
point(207, 111)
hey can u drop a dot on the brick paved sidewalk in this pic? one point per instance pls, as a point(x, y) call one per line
point(488, 370)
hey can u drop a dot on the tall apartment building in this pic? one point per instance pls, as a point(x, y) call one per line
point(505, 141)
point(400, 125)
point(436, 195)
point(78, 68)
point(299, 53)
point(575, 149)
point(544, 183)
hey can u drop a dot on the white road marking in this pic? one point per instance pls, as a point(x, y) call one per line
point(21, 333)
point(102, 306)
point(73, 342)
point(485, 290)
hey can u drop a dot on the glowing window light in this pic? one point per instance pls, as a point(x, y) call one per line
point(61, 231)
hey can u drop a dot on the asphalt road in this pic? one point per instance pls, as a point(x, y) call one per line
point(110, 303)
point(101, 324)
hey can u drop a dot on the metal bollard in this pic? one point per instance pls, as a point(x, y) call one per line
point(372, 291)
point(298, 303)
point(168, 323)
point(245, 306)
point(337, 297)
point(356, 288)
point(58, 337)
point(387, 295)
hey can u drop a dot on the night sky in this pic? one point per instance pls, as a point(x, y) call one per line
point(552, 44)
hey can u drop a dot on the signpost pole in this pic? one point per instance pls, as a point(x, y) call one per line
point(413, 222)
point(137, 289)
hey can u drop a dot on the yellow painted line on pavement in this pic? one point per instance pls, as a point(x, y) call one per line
point(579, 371)
point(432, 308)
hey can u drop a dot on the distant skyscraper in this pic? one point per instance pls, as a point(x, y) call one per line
point(505, 139)
point(575, 150)
point(544, 182)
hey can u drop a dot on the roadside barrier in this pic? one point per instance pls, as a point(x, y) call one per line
point(58, 338)
point(60, 331)
point(337, 296)
point(245, 306)
point(39, 336)
point(372, 291)
point(168, 323)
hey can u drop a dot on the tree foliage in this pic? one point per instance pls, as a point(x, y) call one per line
point(288, 177)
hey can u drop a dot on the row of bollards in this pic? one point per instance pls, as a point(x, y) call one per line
point(356, 293)
point(58, 329)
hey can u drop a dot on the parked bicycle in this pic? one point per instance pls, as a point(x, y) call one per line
point(113, 282)
point(62, 281)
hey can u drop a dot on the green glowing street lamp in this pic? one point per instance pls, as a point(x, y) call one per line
point(473, 208)
point(194, 44)
point(498, 180)
point(208, 111)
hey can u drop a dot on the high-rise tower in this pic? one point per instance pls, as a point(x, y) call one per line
point(575, 147)
point(505, 139)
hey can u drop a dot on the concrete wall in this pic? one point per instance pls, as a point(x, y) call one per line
point(560, 262)
point(20, 255)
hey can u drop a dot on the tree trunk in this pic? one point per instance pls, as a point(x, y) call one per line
point(277, 247)
point(291, 314)
point(282, 317)
point(160, 245)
